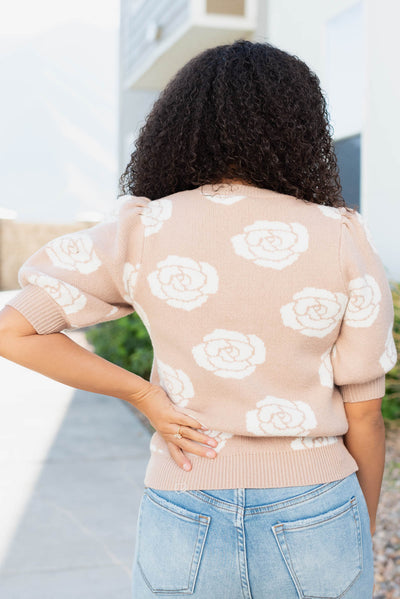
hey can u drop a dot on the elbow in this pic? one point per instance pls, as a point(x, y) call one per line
point(5, 343)
point(12, 327)
point(367, 411)
point(4, 335)
point(7, 337)
point(368, 420)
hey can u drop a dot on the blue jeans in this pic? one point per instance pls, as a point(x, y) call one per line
point(307, 542)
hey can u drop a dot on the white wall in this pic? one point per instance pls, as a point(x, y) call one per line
point(381, 155)
point(134, 107)
point(354, 53)
point(306, 29)
point(344, 70)
point(297, 26)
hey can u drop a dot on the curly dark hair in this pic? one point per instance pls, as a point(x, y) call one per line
point(244, 111)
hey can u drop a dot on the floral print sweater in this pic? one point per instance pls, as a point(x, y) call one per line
point(265, 312)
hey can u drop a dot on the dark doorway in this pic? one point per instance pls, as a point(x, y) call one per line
point(348, 152)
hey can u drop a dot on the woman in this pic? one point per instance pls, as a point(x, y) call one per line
point(270, 316)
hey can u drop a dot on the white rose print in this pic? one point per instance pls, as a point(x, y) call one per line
point(330, 211)
point(325, 370)
point(125, 201)
point(272, 244)
point(279, 416)
point(363, 306)
point(68, 297)
point(389, 357)
point(74, 252)
point(219, 436)
point(183, 282)
point(368, 234)
point(229, 354)
point(314, 312)
point(154, 214)
point(223, 199)
point(310, 442)
point(175, 383)
point(129, 276)
point(155, 449)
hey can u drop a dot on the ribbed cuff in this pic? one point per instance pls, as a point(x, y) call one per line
point(40, 309)
point(364, 391)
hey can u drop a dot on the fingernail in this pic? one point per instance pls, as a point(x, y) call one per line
point(203, 427)
point(210, 454)
point(212, 442)
point(186, 466)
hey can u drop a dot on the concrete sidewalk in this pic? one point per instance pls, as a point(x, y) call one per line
point(72, 465)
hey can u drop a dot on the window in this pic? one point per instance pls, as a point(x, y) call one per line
point(348, 152)
point(345, 67)
point(345, 71)
point(226, 7)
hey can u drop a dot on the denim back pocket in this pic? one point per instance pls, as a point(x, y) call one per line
point(324, 553)
point(170, 544)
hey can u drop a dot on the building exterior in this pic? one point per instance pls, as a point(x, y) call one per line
point(353, 47)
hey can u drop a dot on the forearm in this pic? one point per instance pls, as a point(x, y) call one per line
point(58, 357)
point(365, 440)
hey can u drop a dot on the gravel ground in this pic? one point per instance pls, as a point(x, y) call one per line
point(386, 540)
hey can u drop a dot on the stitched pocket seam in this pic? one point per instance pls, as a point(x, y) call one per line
point(284, 547)
point(202, 522)
point(178, 511)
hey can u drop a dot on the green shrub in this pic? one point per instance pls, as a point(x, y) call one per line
point(126, 342)
point(391, 401)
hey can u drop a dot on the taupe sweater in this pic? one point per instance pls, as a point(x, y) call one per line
point(265, 313)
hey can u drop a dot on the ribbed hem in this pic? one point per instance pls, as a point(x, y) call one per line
point(362, 392)
point(253, 470)
point(40, 309)
point(235, 188)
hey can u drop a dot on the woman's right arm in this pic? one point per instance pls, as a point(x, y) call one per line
point(365, 440)
point(364, 353)
point(78, 280)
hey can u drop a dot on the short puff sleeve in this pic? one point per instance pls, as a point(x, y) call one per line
point(86, 277)
point(365, 349)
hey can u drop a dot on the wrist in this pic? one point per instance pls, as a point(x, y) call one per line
point(141, 391)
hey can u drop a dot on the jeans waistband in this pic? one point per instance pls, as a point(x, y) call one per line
point(256, 499)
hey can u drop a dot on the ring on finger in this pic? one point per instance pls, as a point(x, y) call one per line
point(178, 434)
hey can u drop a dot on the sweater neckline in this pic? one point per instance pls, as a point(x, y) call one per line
point(234, 188)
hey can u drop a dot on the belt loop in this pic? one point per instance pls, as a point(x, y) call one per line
point(240, 497)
